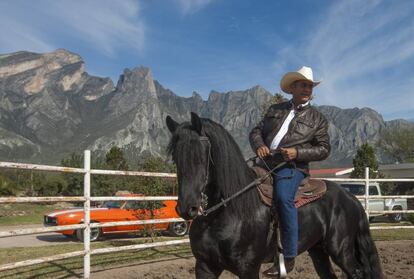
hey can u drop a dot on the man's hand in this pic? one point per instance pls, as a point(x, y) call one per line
point(263, 151)
point(289, 154)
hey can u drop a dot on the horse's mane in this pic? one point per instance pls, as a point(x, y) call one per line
point(232, 172)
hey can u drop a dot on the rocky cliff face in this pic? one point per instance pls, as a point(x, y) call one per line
point(49, 106)
point(350, 128)
point(42, 97)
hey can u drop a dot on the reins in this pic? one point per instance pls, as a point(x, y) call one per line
point(255, 182)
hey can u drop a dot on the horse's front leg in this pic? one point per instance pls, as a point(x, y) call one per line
point(252, 273)
point(205, 271)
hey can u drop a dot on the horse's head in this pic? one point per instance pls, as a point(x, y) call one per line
point(190, 149)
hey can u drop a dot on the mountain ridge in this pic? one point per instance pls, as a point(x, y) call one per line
point(50, 106)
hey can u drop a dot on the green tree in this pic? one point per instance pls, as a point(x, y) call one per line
point(74, 182)
point(115, 159)
point(365, 157)
point(398, 144)
point(50, 185)
point(7, 186)
point(155, 186)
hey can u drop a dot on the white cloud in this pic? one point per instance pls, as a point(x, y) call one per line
point(16, 36)
point(364, 52)
point(103, 25)
point(192, 6)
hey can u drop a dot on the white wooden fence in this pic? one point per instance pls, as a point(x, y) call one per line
point(366, 197)
point(86, 199)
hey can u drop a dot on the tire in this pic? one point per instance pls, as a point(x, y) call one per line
point(96, 233)
point(70, 236)
point(178, 228)
point(397, 217)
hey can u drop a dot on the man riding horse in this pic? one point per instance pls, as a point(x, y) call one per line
point(300, 133)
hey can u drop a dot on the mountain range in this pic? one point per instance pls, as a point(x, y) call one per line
point(50, 107)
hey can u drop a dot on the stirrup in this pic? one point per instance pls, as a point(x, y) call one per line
point(282, 267)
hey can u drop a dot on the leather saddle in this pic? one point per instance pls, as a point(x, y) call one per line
point(309, 189)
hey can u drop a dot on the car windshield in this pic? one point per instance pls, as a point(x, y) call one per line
point(356, 189)
point(112, 204)
point(144, 205)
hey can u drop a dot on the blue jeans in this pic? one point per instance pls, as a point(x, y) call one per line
point(285, 184)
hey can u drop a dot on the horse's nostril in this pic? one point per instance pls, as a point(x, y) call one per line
point(193, 212)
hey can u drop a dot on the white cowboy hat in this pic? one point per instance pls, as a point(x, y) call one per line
point(304, 73)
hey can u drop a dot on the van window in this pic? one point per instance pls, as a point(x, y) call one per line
point(373, 191)
point(356, 189)
point(359, 189)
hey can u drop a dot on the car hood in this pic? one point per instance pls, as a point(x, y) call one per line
point(73, 211)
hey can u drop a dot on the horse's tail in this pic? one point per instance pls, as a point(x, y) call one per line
point(367, 251)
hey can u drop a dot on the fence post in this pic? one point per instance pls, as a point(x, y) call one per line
point(367, 191)
point(87, 216)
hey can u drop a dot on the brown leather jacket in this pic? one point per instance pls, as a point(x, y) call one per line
point(308, 133)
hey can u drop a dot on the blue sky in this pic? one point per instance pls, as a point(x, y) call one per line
point(363, 51)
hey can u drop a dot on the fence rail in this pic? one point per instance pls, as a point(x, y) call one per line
point(87, 225)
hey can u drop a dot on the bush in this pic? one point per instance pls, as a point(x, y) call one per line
point(7, 187)
point(50, 186)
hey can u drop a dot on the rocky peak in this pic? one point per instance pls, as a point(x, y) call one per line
point(196, 96)
point(35, 69)
point(19, 62)
point(137, 80)
point(135, 88)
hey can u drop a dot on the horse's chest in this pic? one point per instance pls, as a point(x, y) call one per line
point(225, 244)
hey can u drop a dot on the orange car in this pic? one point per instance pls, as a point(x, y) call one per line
point(116, 211)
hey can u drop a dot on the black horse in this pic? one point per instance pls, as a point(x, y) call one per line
point(239, 237)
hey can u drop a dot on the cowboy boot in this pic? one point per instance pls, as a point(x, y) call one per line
point(272, 272)
point(280, 271)
point(289, 264)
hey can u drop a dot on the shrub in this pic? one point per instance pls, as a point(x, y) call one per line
point(7, 187)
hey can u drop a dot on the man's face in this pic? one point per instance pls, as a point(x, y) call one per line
point(301, 91)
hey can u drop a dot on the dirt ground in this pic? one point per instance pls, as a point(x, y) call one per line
point(397, 259)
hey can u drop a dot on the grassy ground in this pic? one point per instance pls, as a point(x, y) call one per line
point(24, 213)
point(18, 214)
point(73, 267)
point(394, 234)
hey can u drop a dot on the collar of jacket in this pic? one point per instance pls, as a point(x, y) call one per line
point(301, 106)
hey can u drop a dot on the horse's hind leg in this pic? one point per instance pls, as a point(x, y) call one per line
point(322, 263)
point(345, 259)
point(205, 271)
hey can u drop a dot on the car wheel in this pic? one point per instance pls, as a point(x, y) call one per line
point(96, 233)
point(70, 235)
point(397, 217)
point(178, 228)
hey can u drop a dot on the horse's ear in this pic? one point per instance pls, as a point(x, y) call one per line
point(171, 124)
point(196, 123)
